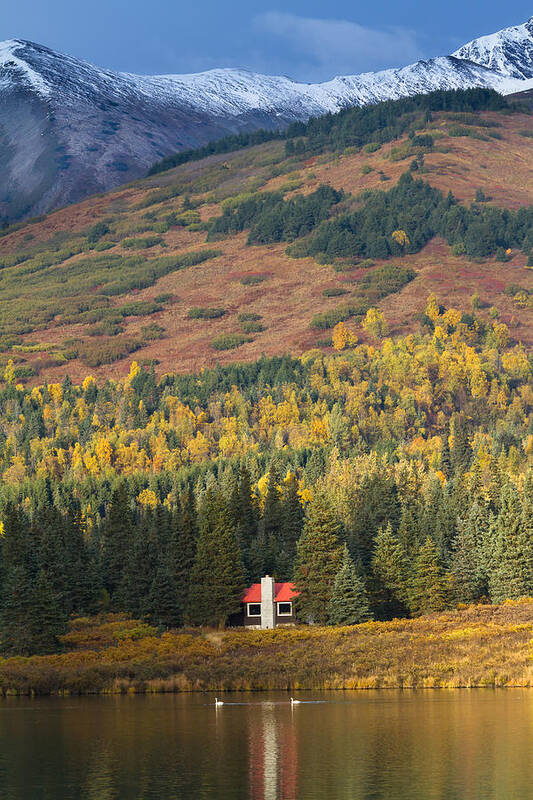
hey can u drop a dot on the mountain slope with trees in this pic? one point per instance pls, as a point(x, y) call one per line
point(379, 453)
point(266, 248)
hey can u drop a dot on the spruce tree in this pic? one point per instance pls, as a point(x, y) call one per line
point(477, 534)
point(48, 530)
point(162, 604)
point(217, 577)
point(377, 504)
point(526, 533)
point(445, 456)
point(244, 515)
point(292, 524)
point(16, 632)
point(462, 451)
point(182, 548)
point(509, 570)
point(390, 572)
point(466, 565)
point(140, 567)
point(349, 602)
point(47, 619)
point(409, 532)
point(318, 559)
point(428, 588)
point(116, 538)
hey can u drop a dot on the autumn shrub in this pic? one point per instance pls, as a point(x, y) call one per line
point(328, 319)
point(460, 130)
point(252, 327)
point(95, 355)
point(249, 316)
point(96, 232)
point(25, 371)
point(201, 312)
point(253, 280)
point(141, 243)
point(152, 332)
point(106, 328)
point(334, 291)
point(229, 341)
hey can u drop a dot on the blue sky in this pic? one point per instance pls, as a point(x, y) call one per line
point(306, 39)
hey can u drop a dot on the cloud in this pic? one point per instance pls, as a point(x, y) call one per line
point(328, 47)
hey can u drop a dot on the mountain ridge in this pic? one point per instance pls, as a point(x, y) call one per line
point(70, 129)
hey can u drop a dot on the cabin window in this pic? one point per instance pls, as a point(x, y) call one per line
point(284, 609)
point(254, 609)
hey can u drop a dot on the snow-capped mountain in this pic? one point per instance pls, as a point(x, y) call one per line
point(508, 52)
point(69, 129)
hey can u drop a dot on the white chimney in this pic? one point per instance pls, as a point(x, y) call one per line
point(268, 605)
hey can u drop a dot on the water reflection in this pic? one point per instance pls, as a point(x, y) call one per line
point(273, 755)
point(368, 746)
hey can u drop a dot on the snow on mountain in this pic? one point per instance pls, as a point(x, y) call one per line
point(70, 129)
point(508, 52)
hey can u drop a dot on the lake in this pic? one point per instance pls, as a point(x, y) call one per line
point(461, 745)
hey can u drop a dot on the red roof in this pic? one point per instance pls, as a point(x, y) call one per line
point(284, 593)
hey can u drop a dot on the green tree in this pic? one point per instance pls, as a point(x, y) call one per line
point(217, 578)
point(116, 537)
point(349, 602)
point(163, 605)
point(318, 559)
point(16, 634)
point(292, 525)
point(509, 570)
point(472, 553)
point(390, 572)
point(30, 619)
point(47, 619)
point(428, 587)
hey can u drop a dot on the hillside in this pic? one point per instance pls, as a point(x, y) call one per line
point(70, 129)
point(70, 282)
point(478, 646)
point(371, 275)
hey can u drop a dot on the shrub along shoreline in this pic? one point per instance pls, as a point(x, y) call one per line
point(476, 646)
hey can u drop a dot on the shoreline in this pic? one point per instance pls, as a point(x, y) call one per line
point(474, 647)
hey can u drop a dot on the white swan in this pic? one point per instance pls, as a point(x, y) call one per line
point(218, 702)
point(295, 702)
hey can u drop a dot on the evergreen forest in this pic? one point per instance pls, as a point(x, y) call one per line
point(391, 478)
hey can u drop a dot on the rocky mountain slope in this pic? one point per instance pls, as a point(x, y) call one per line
point(134, 273)
point(69, 129)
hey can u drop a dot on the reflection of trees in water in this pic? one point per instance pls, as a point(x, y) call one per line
point(440, 745)
point(100, 781)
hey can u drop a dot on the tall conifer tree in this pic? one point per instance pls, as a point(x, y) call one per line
point(318, 559)
point(509, 572)
point(217, 577)
point(349, 602)
point(428, 588)
point(390, 571)
point(117, 538)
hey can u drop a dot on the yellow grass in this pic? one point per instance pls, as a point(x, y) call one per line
point(477, 646)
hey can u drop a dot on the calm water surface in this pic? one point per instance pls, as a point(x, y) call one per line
point(399, 746)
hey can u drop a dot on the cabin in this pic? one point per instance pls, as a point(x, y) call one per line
point(269, 604)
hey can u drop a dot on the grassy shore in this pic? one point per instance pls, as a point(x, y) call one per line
point(478, 646)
